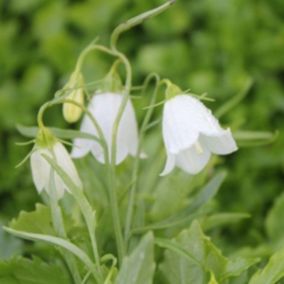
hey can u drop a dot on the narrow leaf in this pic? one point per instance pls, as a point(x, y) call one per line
point(32, 131)
point(190, 212)
point(57, 242)
point(139, 266)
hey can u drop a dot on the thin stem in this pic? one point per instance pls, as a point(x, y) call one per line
point(137, 20)
point(128, 84)
point(83, 55)
point(85, 207)
point(115, 213)
point(58, 224)
point(131, 200)
point(89, 216)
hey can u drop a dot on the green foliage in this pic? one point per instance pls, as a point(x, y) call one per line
point(31, 271)
point(272, 272)
point(192, 258)
point(38, 221)
point(218, 47)
point(139, 266)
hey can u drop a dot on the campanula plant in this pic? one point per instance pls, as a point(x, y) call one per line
point(98, 200)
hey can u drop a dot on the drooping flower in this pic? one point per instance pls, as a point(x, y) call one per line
point(75, 93)
point(104, 107)
point(47, 144)
point(191, 133)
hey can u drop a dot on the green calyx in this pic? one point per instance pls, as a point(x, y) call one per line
point(112, 81)
point(45, 138)
point(172, 90)
point(76, 81)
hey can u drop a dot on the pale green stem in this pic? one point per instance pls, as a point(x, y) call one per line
point(89, 217)
point(85, 207)
point(112, 188)
point(131, 200)
point(59, 228)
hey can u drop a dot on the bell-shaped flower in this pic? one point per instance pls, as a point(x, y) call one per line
point(46, 144)
point(105, 107)
point(191, 133)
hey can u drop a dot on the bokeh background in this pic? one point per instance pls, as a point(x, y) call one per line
point(213, 46)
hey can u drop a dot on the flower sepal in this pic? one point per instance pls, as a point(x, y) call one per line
point(172, 90)
point(111, 83)
point(45, 138)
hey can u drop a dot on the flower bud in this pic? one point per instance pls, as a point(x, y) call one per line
point(72, 112)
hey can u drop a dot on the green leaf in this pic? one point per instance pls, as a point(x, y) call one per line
point(272, 272)
point(190, 212)
point(274, 227)
point(221, 219)
point(62, 243)
point(9, 245)
point(38, 221)
point(139, 266)
point(32, 131)
point(31, 271)
point(248, 138)
point(205, 258)
point(239, 265)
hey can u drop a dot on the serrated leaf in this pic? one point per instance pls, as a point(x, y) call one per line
point(38, 221)
point(176, 268)
point(31, 271)
point(272, 272)
point(139, 266)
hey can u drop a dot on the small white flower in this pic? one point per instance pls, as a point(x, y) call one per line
point(41, 169)
point(104, 107)
point(191, 133)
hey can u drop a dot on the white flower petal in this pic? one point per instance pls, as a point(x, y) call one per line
point(81, 147)
point(65, 162)
point(60, 187)
point(170, 164)
point(193, 159)
point(40, 169)
point(128, 128)
point(104, 108)
point(221, 144)
point(178, 132)
point(185, 117)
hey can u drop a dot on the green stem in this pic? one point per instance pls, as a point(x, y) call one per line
point(115, 213)
point(131, 200)
point(89, 216)
point(129, 24)
point(128, 84)
point(59, 228)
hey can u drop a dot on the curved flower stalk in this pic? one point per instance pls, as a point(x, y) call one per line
point(191, 133)
point(104, 107)
point(47, 144)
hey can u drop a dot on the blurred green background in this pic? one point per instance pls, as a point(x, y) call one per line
point(212, 46)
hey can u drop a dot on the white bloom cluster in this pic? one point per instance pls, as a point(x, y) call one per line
point(190, 132)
